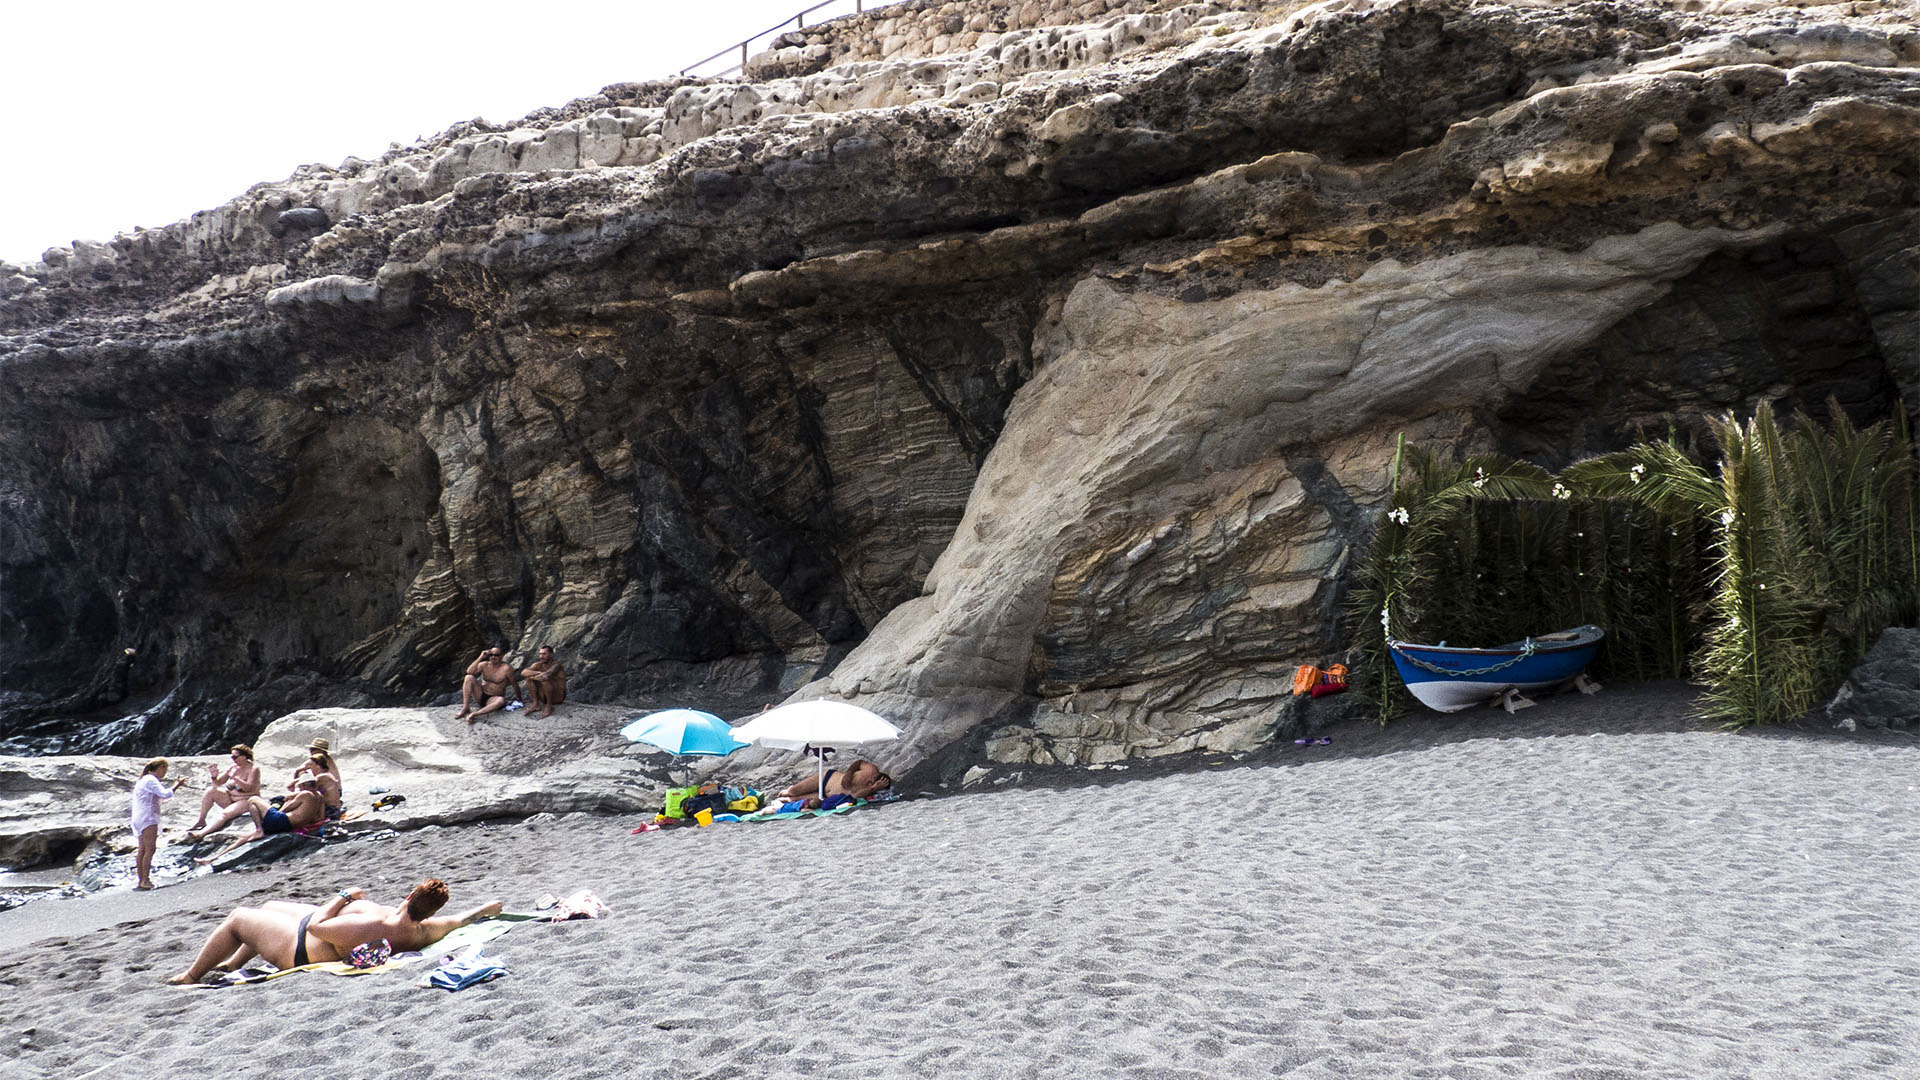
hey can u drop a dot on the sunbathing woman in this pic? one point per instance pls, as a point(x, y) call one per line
point(860, 780)
point(234, 784)
point(294, 935)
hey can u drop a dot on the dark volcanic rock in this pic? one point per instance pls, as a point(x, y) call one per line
point(1884, 691)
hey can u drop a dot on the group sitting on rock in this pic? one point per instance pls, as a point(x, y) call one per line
point(490, 679)
point(298, 812)
point(318, 777)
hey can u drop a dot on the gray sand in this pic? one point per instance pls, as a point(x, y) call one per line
point(1448, 898)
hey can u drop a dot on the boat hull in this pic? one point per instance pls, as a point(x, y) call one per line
point(1438, 676)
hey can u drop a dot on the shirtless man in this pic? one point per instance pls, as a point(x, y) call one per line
point(486, 684)
point(294, 935)
point(860, 780)
point(546, 682)
point(304, 808)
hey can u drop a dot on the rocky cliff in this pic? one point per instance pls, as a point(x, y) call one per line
point(1036, 393)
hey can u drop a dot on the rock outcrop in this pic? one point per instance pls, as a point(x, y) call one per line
point(57, 809)
point(1036, 393)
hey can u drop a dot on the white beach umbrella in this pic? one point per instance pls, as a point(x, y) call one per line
point(814, 728)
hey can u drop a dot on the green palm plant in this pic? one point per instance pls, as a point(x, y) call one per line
point(1763, 648)
point(1851, 497)
point(1813, 551)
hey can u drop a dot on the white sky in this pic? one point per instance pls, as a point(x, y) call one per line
point(115, 114)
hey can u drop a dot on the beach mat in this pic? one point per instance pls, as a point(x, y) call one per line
point(843, 808)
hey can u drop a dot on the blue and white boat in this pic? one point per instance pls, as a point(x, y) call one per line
point(1448, 679)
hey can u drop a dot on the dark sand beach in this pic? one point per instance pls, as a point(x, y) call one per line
point(1588, 889)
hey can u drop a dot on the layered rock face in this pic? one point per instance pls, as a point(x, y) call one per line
point(1038, 395)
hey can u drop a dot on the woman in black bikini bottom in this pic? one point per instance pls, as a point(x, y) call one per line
point(300, 940)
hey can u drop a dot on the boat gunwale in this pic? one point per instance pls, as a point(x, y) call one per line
point(1515, 648)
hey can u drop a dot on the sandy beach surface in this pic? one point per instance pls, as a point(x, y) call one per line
point(1589, 889)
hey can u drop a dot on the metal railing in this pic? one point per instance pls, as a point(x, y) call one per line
point(798, 21)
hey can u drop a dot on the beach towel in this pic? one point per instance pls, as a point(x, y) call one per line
point(782, 813)
point(462, 970)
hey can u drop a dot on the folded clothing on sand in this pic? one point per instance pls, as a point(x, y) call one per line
point(580, 905)
point(465, 969)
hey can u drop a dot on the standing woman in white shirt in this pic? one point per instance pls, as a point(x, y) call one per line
point(148, 792)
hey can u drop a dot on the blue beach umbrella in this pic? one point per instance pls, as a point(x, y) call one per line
point(684, 731)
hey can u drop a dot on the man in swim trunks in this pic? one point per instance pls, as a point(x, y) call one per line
point(294, 935)
point(546, 682)
point(861, 780)
point(486, 684)
point(303, 809)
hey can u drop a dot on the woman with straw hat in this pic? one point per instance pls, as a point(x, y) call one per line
point(321, 766)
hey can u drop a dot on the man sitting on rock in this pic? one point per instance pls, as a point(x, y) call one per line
point(294, 935)
point(486, 684)
point(303, 809)
point(546, 682)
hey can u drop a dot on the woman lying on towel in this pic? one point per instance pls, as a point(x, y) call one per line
point(861, 780)
point(295, 935)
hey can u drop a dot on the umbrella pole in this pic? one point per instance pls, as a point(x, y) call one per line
point(820, 772)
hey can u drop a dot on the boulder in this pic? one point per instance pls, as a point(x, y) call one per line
point(505, 766)
point(304, 218)
point(1884, 691)
point(53, 808)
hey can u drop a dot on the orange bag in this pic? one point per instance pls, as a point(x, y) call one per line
point(1332, 681)
point(1304, 678)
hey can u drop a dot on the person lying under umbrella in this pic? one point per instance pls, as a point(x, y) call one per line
point(861, 780)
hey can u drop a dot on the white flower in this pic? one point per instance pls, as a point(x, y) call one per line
point(1384, 624)
point(1399, 516)
point(1561, 491)
point(1634, 474)
point(1479, 478)
point(1726, 517)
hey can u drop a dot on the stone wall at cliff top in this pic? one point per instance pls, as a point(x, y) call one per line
point(1036, 395)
